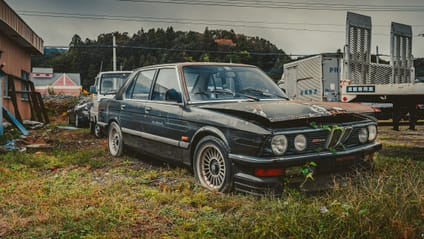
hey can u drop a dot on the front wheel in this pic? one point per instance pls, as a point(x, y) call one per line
point(211, 165)
point(115, 140)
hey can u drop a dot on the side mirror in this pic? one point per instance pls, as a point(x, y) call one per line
point(173, 95)
point(93, 89)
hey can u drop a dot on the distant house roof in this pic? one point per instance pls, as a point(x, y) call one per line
point(58, 79)
point(225, 42)
point(42, 70)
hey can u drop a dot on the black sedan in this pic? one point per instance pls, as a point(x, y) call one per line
point(235, 128)
point(79, 115)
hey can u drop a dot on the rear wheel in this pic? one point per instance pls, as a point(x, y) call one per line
point(91, 125)
point(115, 140)
point(97, 131)
point(211, 165)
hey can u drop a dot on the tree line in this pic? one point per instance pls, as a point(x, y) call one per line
point(157, 46)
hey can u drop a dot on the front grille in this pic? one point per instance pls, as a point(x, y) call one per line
point(338, 135)
point(335, 137)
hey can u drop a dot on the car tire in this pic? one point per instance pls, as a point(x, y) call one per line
point(211, 166)
point(97, 131)
point(115, 140)
point(91, 125)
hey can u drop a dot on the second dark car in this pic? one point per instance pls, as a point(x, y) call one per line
point(234, 127)
point(79, 115)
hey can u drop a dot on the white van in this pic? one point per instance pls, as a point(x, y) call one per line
point(106, 85)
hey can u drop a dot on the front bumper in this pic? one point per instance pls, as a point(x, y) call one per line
point(328, 167)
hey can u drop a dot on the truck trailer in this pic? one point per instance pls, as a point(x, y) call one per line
point(350, 76)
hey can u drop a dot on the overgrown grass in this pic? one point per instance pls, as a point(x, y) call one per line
point(75, 194)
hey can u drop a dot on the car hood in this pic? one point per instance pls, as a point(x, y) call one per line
point(276, 110)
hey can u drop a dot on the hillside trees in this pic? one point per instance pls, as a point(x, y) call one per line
point(156, 46)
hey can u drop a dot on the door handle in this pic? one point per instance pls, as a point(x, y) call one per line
point(123, 107)
point(147, 109)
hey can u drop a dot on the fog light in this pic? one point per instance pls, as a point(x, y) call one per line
point(300, 142)
point(363, 135)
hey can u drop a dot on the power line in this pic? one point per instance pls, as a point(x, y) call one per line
point(288, 5)
point(172, 20)
point(118, 17)
point(165, 20)
point(183, 50)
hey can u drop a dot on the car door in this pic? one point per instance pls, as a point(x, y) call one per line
point(164, 126)
point(132, 108)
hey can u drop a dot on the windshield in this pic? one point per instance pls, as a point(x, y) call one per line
point(111, 82)
point(212, 83)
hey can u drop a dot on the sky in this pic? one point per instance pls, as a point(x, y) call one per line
point(298, 27)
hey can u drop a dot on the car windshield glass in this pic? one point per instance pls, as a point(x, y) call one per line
point(211, 83)
point(111, 82)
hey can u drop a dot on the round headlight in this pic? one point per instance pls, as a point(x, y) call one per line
point(279, 144)
point(363, 135)
point(372, 132)
point(300, 142)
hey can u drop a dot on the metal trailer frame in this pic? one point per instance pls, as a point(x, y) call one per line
point(364, 81)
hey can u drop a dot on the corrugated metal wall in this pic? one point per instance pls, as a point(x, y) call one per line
point(304, 79)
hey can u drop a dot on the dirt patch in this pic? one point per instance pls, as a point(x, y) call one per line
point(404, 137)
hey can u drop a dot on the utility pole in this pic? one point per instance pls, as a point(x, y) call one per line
point(114, 52)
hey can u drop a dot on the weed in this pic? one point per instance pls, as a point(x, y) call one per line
point(71, 193)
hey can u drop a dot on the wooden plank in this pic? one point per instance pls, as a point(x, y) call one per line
point(15, 122)
point(40, 104)
point(13, 98)
point(35, 106)
point(43, 109)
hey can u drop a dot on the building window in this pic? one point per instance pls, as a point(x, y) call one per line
point(5, 86)
point(24, 89)
point(24, 85)
point(24, 75)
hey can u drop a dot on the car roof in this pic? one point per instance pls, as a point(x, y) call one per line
point(182, 64)
point(113, 72)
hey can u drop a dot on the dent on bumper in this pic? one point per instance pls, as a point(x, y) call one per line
point(294, 160)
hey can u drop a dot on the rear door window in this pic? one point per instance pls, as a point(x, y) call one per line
point(166, 87)
point(141, 88)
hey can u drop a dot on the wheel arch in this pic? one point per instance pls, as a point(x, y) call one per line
point(203, 132)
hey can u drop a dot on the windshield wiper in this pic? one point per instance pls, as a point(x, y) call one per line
point(222, 91)
point(249, 96)
point(259, 92)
